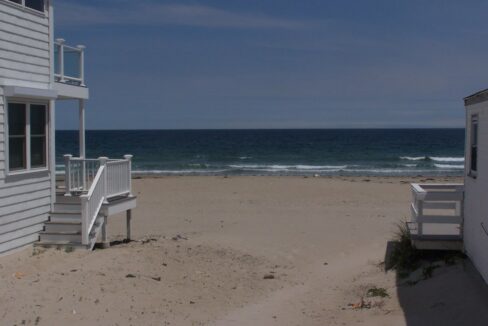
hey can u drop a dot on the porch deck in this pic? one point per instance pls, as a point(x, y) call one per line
point(92, 190)
point(437, 216)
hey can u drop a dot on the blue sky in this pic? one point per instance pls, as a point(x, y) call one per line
point(277, 63)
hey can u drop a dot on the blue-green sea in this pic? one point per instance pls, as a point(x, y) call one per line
point(367, 152)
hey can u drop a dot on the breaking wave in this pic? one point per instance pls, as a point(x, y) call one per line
point(432, 158)
point(449, 166)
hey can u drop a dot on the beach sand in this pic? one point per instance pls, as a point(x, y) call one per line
point(243, 251)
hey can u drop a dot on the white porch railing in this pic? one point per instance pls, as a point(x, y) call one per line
point(119, 176)
point(69, 65)
point(79, 173)
point(96, 181)
point(437, 211)
point(91, 203)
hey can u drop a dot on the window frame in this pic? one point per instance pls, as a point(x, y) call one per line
point(28, 169)
point(473, 135)
point(22, 6)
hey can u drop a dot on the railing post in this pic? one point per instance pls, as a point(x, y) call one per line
point(103, 162)
point(60, 42)
point(84, 221)
point(420, 211)
point(67, 174)
point(82, 64)
point(461, 214)
point(128, 157)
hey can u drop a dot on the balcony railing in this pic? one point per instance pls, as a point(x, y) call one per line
point(437, 211)
point(80, 175)
point(69, 63)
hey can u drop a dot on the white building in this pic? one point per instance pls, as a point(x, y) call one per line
point(455, 216)
point(36, 71)
point(476, 181)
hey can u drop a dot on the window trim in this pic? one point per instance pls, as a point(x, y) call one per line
point(29, 169)
point(23, 7)
point(473, 119)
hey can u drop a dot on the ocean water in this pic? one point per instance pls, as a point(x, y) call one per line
point(366, 152)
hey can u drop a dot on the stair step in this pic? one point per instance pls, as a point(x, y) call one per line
point(73, 212)
point(59, 227)
point(65, 217)
point(64, 230)
point(60, 236)
point(67, 208)
point(68, 200)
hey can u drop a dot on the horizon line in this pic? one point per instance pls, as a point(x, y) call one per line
point(243, 129)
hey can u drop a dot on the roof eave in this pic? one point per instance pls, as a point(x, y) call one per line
point(478, 97)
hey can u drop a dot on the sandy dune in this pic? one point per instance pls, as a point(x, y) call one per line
point(242, 251)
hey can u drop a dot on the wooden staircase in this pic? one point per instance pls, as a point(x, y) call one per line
point(93, 190)
point(64, 226)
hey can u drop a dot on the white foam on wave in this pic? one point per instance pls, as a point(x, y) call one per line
point(177, 171)
point(432, 158)
point(447, 159)
point(383, 171)
point(277, 167)
point(413, 158)
point(449, 166)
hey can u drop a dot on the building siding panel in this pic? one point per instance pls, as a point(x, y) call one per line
point(476, 203)
point(21, 215)
point(18, 243)
point(25, 201)
point(24, 47)
point(26, 231)
point(21, 224)
point(25, 60)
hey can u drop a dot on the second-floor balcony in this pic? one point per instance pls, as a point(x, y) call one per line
point(69, 63)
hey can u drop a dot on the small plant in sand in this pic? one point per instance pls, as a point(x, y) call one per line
point(37, 251)
point(68, 249)
point(404, 258)
point(428, 271)
point(453, 257)
point(377, 292)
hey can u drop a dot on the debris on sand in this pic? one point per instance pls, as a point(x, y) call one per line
point(360, 305)
point(178, 237)
point(269, 277)
point(147, 240)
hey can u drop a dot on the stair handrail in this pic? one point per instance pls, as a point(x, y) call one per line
point(91, 203)
point(113, 178)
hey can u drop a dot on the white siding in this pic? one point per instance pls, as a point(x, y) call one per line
point(476, 196)
point(25, 201)
point(24, 47)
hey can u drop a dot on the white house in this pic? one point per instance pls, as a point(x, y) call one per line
point(476, 181)
point(36, 71)
point(455, 216)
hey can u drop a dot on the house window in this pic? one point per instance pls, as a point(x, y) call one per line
point(27, 136)
point(33, 4)
point(473, 168)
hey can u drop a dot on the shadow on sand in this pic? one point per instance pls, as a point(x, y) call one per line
point(100, 246)
point(454, 294)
